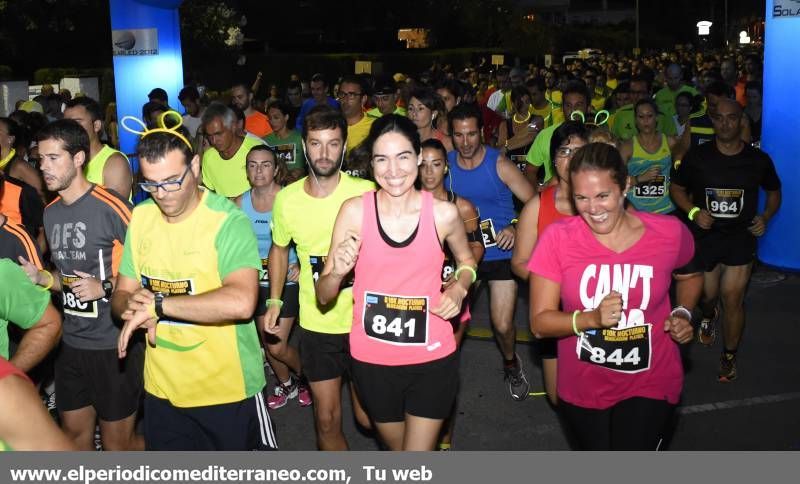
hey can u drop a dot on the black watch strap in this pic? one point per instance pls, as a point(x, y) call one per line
point(108, 287)
point(159, 305)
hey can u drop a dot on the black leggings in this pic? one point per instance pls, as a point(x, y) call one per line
point(633, 424)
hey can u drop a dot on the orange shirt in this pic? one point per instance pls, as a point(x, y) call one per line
point(741, 98)
point(258, 124)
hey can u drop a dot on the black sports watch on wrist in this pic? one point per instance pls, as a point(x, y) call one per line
point(159, 302)
point(108, 287)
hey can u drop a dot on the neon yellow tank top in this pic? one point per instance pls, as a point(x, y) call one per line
point(94, 169)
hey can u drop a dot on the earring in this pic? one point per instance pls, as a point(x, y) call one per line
point(446, 169)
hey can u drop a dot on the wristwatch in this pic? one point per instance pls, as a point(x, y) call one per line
point(108, 287)
point(159, 308)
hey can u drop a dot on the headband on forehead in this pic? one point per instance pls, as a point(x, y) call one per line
point(162, 129)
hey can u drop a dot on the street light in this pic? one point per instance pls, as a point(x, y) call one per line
point(743, 37)
point(704, 27)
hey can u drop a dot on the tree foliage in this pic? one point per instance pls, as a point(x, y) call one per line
point(211, 24)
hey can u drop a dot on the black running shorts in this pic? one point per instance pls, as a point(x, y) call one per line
point(98, 378)
point(423, 390)
point(290, 306)
point(324, 356)
point(237, 426)
point(495, 270)
point(713, 248)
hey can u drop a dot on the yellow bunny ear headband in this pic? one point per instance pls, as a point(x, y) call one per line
point(161, 129)
point(600, 118)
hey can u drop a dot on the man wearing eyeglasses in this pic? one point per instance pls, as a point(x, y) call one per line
point(385, 98)
point(189, 276)
point(85, 227)
point(352, 97)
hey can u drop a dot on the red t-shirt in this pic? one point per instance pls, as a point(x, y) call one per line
point(548, 213)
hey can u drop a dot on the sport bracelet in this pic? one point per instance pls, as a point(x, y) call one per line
point(575, 322)
point(274, 302)
point(467, 268)
point(47, 286)
point(693, 213)
point(681, 311)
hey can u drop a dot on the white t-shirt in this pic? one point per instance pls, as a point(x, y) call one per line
point(191, 123)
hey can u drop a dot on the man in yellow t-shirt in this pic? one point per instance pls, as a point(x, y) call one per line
point(224, 163)
point(352, 97)
point(541, 106)
point(305, 212)
point(189, 276)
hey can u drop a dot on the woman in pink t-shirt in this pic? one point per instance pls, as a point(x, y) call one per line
point(619, 369)
point(404, 363)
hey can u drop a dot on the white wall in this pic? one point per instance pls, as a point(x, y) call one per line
point(10, 93)
point(86, 85)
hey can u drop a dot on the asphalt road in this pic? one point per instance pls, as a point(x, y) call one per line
point(756, 412)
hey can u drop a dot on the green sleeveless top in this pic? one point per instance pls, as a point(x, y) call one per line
point(652, 196)
point(94, 169)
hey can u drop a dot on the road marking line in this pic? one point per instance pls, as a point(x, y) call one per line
point(479, 332)
point(744, 402)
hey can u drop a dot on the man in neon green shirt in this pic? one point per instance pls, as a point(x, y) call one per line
point(385, 98)
point(623, 122)
point(224, 163)
point(107, 166)
point(665, 97)
point(305, 212)
point(575, 98)
point(189, 276)
point(28, 307)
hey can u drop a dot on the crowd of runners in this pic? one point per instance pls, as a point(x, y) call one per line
point(357, 217)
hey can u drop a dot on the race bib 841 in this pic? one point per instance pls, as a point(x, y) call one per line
point(397, 320)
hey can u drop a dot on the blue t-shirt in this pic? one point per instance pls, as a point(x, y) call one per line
point(494, 200)
point(307, 106)
point(261, 222)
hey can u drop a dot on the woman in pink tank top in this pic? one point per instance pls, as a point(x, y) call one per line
point(404, 364)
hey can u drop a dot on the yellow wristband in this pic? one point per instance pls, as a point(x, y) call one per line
point(575, 322)
point(47, 286)
point(693, 212)
point(467, 268)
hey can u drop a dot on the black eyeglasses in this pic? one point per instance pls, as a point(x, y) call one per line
point(168, 186)
point(351, 95)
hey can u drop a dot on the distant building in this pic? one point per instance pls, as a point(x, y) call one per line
point(598, 12)
point(414, 38)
